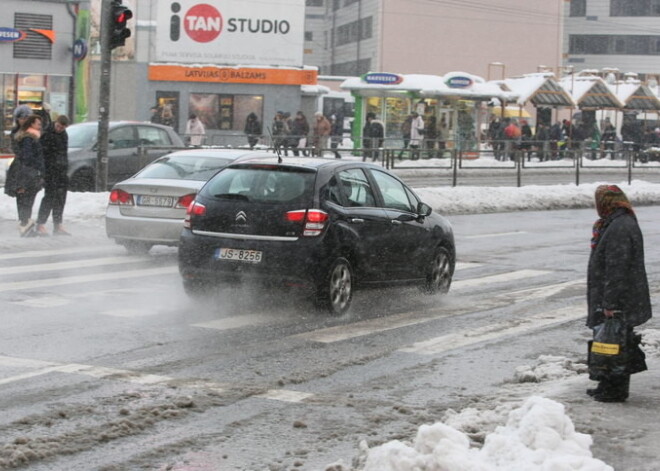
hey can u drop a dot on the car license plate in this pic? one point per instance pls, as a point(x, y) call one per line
point(151, 200)
point(250, 256)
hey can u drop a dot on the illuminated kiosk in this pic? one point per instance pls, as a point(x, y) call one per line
point(455, 98)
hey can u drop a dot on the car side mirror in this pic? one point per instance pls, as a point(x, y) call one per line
point(424, 209)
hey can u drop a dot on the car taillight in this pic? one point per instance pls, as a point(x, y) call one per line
point(314, 220)
point(120, 197)
point(185, 201)
point(194, 209)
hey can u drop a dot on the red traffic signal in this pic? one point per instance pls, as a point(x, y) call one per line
point(119, 15)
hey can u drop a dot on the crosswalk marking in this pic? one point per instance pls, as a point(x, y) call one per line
point(47, 253)
point(494, 234)
point(74, 264)
point(103, 372)
point(496, 330)
point(68, 280)
point(502, 277)
point(236, 322)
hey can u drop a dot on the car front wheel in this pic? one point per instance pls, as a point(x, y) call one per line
point(438, 275)
point(336, 291)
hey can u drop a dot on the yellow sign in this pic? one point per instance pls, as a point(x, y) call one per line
point(605, 348)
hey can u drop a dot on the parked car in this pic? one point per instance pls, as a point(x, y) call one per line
point(148, 209)
point(124, 138)
point(324, 224)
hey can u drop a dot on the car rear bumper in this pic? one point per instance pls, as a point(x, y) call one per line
point(155, 230)
point(300, 262)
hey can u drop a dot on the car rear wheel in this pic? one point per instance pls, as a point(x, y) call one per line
point(438, 276)
point(137, 247)
point(336, 292)
point(83, 180)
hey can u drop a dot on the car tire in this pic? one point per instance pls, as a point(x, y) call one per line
point(439, 273)
point(335, 293)
point(83, 180)
point(137, 247)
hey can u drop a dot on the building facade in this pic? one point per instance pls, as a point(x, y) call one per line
point(619, 35)
point(486, 37)
point(36, 56)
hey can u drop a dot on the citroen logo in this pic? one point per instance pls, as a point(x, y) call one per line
point(241, 217)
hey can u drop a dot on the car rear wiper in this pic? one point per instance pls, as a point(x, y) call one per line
point(232, 196)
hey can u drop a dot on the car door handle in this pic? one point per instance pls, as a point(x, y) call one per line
point(356, 220)
point(395, 222)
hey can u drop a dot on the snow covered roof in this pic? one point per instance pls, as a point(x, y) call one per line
point(635, 95)
point(314, 90)
point(452, 84)
point(541, 89)
point(590, 92)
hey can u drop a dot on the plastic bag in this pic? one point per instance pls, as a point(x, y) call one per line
point(609, 350)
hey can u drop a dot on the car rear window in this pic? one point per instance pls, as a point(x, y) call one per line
point(179, 167)
point(267, 185)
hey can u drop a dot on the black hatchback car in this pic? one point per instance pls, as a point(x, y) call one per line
point(327, 225)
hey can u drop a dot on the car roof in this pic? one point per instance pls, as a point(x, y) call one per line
point(220, 153)
point(315, 163)
point(121, 122)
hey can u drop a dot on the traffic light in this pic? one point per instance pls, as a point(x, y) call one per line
point(119, 15)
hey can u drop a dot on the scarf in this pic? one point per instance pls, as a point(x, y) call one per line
point(609, 198)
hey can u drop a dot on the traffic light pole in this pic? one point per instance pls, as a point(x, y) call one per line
point(104, 99)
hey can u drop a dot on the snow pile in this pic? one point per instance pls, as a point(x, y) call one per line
point(651, 342)
point(537, 436)
point(549, 368)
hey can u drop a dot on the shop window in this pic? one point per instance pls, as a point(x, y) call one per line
point(35, 45)
point(225, 112)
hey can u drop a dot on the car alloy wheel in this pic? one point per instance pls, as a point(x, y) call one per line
point(438, 277)
point(336, 293)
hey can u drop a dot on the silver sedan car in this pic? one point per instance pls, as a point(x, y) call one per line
point(149, 208)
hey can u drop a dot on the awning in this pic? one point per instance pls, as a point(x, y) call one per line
point(635, 96)
point(540, 89)
point(590, 92)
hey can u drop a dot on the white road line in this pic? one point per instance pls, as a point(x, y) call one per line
point(466, 265)
point(47, 253)
point(494, 234)
point(540, 292)
point(502, 277)
point(102, 372)
point(74, 264)
point(235, 322)
point(69, 280)
point(63, 300)
point(496, 330)
point(285, 395)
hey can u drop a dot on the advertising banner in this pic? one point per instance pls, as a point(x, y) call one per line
point(231, 32)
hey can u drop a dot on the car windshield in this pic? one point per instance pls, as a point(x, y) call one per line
point(280, 185)
point(184, 167)
point(82, 135)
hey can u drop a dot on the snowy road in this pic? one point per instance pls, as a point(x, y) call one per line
point(105, 364)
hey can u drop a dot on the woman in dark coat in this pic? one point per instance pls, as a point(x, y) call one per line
point(28, 184)
point(252, 129)
point(616, 279)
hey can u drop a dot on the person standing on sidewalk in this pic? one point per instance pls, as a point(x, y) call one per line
point(29, 180)
point(616, 278)
point(55, 142)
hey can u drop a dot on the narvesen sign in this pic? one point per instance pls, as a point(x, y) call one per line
point(382, 78)
point(11, 35)
point(231, 32)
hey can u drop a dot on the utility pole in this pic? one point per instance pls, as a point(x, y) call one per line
point(104, 98)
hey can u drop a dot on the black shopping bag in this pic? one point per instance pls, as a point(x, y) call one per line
point(609, 350)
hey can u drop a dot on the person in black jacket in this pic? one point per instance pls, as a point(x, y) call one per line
point(252, 129)
point(616, 278)
point(28, 183)
point(55, 142)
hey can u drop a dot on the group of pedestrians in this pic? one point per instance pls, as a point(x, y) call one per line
point(40, 161)
point(302, 137)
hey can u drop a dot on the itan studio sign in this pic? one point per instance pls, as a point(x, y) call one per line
point(231, 32)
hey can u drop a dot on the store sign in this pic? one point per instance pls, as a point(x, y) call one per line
point(459, 81)
point(79, 49)
point(382, 78)
point(231, 32)
point(268, 76)
point(11, 35)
